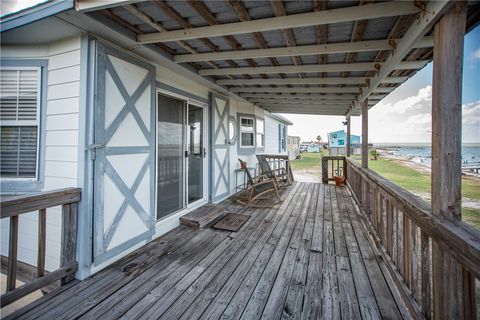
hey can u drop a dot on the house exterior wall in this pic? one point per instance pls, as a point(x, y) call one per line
point(272, 139)
point(61, 144)
point(68, 109)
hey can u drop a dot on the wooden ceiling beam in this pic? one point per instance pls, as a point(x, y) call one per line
point(331, 48)
point(304, 102)
point(369, 11)
point(299, 96)
point(309, 89)
point(334, 67)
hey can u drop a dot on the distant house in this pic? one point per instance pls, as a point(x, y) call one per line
point(313, 148)
point(293, 146)
point(337, 143)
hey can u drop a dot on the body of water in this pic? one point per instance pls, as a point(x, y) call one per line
point(422, 153)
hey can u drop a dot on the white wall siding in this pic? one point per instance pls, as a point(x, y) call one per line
point(271, 135)
point(61, 143)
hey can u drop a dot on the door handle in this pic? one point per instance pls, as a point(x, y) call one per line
point(204, 152)
point(186, 154)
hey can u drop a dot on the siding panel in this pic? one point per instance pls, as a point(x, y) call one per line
point(61, 140)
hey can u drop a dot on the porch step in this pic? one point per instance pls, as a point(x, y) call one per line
point(204, 216)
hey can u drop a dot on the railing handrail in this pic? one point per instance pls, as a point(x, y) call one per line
point(459, 238)
point(43, 200)
point(276, 156)
point(333, 158)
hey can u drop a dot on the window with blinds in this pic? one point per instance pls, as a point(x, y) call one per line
point(19, 122)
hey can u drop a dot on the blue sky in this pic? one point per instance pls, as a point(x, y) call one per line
point(405, 114)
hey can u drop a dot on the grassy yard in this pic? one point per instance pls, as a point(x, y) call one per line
point(408, 178)
point(420, 183)
point(309, 161)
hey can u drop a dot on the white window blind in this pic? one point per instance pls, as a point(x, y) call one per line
point(19, 121)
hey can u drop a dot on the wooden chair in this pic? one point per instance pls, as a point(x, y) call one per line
point(280, 175)
point(258, 189)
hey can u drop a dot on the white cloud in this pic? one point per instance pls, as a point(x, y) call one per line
point(476, 54)
point(406, 120)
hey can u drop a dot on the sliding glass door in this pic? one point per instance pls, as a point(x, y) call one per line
point(170, 155)
point(181, 155)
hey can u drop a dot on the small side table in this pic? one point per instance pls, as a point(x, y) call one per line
point(243, 185)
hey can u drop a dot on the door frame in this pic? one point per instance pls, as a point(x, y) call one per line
point(204, 199)
point(187, 207)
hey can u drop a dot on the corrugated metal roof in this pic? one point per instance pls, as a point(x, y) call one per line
point(225, 12)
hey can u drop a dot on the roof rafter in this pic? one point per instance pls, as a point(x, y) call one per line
point(205, 13)
point(243, 15)
point(359, 28)
point(433, 10)
point(146, 19)
point(279, 11)
point(321, 32)
point(369, 11)
point(329, 80)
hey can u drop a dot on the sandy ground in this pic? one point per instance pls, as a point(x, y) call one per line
point(19, 303)
point(310, 175)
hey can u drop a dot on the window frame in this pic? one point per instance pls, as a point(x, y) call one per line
point(259, 133)
point(240, 132)
point(21, 185)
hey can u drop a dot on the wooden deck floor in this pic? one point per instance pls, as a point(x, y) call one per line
point(310, 258)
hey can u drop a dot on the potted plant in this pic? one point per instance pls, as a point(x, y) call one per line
point(374, 154)
point(339, 181)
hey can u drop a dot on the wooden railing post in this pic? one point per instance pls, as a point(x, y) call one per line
point(365, 134)
point(69, 238)
point(324, 170)
point(348, 136)
point(448, 277)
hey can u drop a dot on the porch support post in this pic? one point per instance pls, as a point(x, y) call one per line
point(365, 134)
point(348, 136)
point(448, 300)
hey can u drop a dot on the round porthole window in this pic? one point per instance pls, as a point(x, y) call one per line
point(232, 130)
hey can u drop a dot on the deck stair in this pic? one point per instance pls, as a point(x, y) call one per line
point(204, 216)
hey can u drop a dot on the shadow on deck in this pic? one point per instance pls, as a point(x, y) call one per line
point(309, 258)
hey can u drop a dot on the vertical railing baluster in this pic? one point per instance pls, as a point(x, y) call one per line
point(425, 274)
point(406, 251)
point(12, 254)
point(42, 229)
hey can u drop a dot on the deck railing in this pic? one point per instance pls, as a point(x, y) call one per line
point(333, 166)
point(14, 207)
point(406, 232)
point(278, 161)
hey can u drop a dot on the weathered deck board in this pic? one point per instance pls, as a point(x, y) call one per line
point(308, 258)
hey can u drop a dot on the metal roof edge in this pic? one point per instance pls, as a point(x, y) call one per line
point(38, 12)
point(280, 118)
